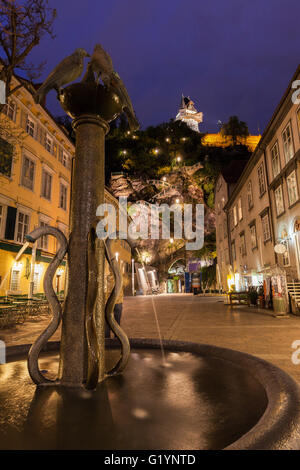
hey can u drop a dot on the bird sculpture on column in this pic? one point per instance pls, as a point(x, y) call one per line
point(68, 70)
point(101, 64)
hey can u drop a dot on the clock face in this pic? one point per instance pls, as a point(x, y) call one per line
point(280, 248)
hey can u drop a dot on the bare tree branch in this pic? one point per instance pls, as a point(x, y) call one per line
point(22, 25)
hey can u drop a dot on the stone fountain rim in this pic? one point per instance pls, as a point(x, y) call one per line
point(279, 426)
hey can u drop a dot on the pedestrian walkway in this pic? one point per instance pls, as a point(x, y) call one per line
point(197, 319)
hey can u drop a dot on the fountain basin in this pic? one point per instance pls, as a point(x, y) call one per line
point(204, 398)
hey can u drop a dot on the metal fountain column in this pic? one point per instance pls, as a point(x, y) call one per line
point(87, 193)
point(91, 106)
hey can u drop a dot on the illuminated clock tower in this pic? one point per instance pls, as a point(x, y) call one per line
point(189, 114)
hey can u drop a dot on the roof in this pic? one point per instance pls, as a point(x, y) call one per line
point(233, 171)
point(263, 141)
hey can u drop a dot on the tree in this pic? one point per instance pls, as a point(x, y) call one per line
point(235, 128)
point(22, 25)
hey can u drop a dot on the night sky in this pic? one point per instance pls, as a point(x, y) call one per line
point(230, 56)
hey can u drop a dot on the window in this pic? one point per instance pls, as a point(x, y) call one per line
point(235, 216)
point(30, 126)
point(225, 228)
point(43, 241)
point(63, 196)
point(36, 278)
point(231, 224)
point(220, 232)
point(249, 195)
point(11, 110)
point(28, 173)
point(275, 160)
point(240, 211)
point(65, 160)
point(226, 256)
point(279, 200)
point(266, 227)
point(6, 157)
point(288, 143)
point(223, 202)
point(54, 149)
point(49, 143)
point(22, 227)
point(286, 254)
point(298, 119)
point(253, 236)
point(242, 244)
point(15, 280)
point(291, 182)
point(233, 253)
point(261, 179)
point(46, 185)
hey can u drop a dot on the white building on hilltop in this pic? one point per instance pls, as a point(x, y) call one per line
point(188, 114)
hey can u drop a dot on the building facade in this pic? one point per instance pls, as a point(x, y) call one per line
point(35, 183)
point(263, 209)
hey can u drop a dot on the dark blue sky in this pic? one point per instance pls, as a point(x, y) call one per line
point(230, 56)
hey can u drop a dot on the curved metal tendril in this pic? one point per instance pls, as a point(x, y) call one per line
point(34, 352)
point(90, 320)
point(109, 308)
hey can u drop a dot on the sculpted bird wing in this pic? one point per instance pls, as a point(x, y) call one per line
point(101, 60)
point(117, 83)
point(120, 89)
point(64, 68)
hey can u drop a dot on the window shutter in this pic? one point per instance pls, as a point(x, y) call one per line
point(10, 223)
point(23, 119)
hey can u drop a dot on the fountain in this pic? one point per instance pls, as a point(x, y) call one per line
point(84, 392)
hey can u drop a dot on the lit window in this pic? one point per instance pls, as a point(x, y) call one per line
point(43, 241)
point(291, 182)
point(28, 172)
point(279, 200)
point(65, 159)
point(15, 280)
point(240, 211)
point(46, 185)
point(30, 126)
point(49, 143)
point(242, 244)
point(235, 216)
point(288, 143)
point(261, 179)
point(10, 110)
point(22, 227)
point(275, 160)
point(266, 227)
point(286, 254)
point(63, 196)
point(253, 236)
point(249, 195)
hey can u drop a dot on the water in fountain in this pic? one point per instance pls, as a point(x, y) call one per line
point(164, 362)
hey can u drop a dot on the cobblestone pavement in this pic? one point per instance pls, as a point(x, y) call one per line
point(197, 319)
